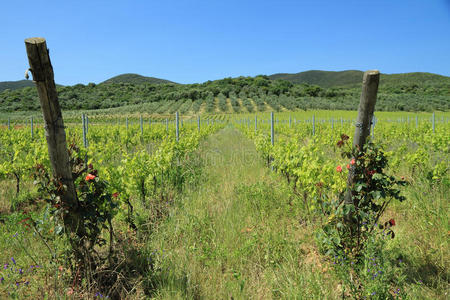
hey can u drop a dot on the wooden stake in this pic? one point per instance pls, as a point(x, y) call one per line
point(42, 71)
point(365, 114)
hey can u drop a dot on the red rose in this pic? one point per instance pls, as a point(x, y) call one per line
point(339, 169)
point(392, 222)
point(352, 161)
point(348, 167)
point(90, 177)
point(115, 195)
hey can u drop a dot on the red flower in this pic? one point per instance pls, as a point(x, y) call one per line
point(115, 195)
point(339, 169)
point(352, 161)
point(340, 143)
point(392, 222)
point(348, 167)
point(371, 172)
point(90, 177)
point(344, 137)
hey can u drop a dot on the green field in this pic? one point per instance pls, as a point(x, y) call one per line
point(211, 220)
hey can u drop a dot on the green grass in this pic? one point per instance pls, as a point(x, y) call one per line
point(237, 234)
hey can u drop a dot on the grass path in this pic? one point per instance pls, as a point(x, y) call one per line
point(236, 235)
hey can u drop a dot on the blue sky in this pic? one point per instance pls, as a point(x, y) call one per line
point(195, 41)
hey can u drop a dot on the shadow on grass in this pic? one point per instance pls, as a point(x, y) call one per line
point(427, 273)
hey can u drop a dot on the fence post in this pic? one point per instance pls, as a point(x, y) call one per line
point(83, 122)
point(42, 71)
point(332, 123)
point(314, 125)
point(290, 122)
point(365, 114)
point(198, 123)
point(9, 123)
point(271, 128)
point(433, 121)
point(374, 120)
point(417, 121)
point(256, 123)
point(167, 124)
point(126, 122)
point(177, 126)
point(31, 124)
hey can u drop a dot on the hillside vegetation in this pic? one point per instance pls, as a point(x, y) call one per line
point(135, 79)
point(397, 92)
point(327, 79)
point(14, 85)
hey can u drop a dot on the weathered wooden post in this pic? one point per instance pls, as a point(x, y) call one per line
point(256, 123)
point(141, 124)
point(198, 123)
point(42, 70)
point(126, 122)
point(365, 114)
point(290, 122)
point(9, 123)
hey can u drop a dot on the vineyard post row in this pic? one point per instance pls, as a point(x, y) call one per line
point(433, 121)
point(178, 123)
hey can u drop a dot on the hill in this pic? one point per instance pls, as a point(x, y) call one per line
point(327, 79)
point(411, 92)
point(14, 85)
point(135, 79)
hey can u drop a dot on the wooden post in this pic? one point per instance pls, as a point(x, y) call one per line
point(290, 122)
point(256, 123)
point(198, 123)
point(417, 121)
point(126, 122)
point(42, 71)
point(9, 123)
point(365, 114)
point(142, 125)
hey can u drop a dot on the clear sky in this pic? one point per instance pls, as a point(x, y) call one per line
point(195, 41)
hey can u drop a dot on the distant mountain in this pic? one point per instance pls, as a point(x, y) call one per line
point(328, 79)
point(135, 79)
point(14, 85)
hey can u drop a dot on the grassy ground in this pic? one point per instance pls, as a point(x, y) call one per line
point(238, 235)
